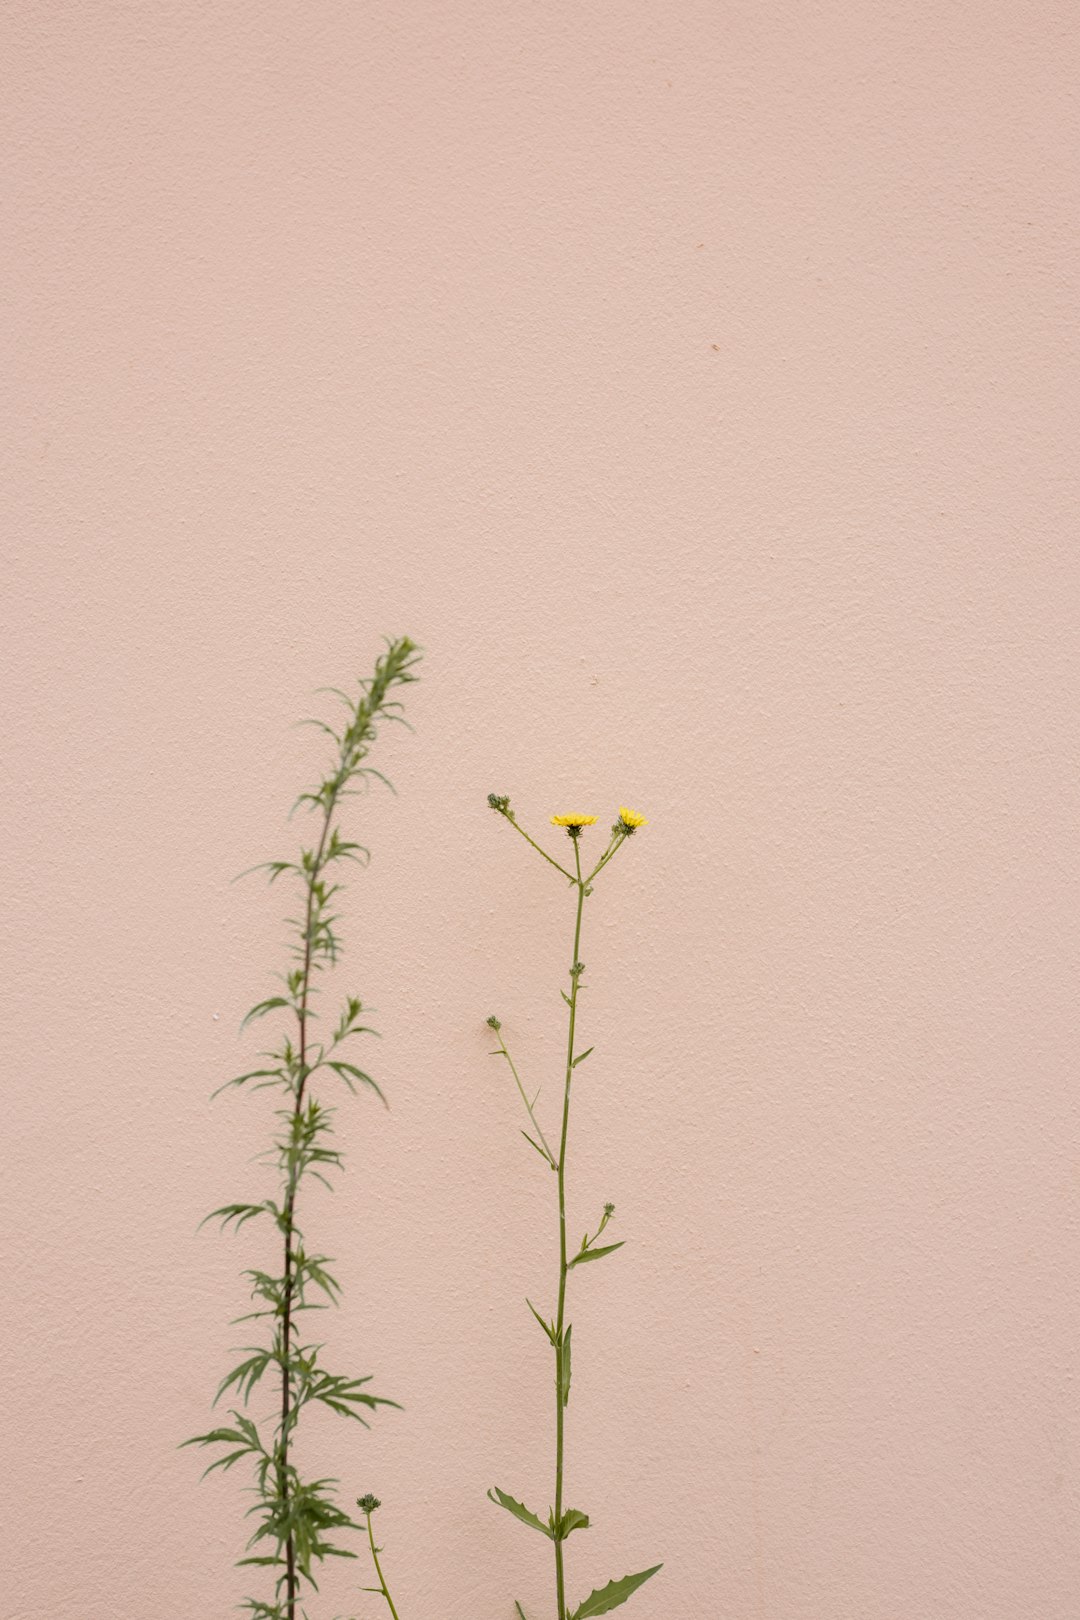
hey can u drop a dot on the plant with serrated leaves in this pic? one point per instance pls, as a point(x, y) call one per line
point(562, 1521)
point(298, 1522)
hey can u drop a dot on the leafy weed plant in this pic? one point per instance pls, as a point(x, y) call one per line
point(298, 1521)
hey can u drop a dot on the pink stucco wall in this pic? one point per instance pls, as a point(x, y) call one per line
point(697, 382)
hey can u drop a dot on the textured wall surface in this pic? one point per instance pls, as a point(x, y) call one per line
point(693, 380)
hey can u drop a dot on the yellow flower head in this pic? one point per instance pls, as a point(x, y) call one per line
point(573, 821)
point(629, 819)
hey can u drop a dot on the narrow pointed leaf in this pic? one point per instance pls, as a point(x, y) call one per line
point(519, 1510)
point(236, 1212)
point(267, 1075)
point(261, 1008)
point(564, 1374)
point(581, 1058)
point(349, 1072)
point(610, 1596)
point(546, 1158)
point(549, 1330)
point(595, 1254)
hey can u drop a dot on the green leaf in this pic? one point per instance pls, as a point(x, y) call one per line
point(349, 1072)
point(275, 868)
point(572, 1519)
point(548, 1329)
point(244, 1437)
point(610, 1596)
point(238, 1213)
point(215, 1437)
point(564, 1366)
point(520, 1610)
point(546, 1158)
point(249, 1431)
point(595, 1254)
point(519, 1510)
point(583, 1056)
point(261, 1008)
point(246, 1375)
point(343, 1395)
point(266, 1077)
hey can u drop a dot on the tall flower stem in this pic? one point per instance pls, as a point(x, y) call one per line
point(562, 1346)
point(563, 1521)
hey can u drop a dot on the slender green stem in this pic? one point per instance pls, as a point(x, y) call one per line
point(528, 1104)
point(378, 1568)
point(618, 840)
point(569, 876)
point(560, 1335)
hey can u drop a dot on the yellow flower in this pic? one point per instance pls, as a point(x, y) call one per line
point(631, 818)
point(572, 821)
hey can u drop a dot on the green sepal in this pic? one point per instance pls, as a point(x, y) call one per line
point(610, 1596)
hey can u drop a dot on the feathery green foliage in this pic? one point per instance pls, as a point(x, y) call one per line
point(298, 1523)
point(561, 1522)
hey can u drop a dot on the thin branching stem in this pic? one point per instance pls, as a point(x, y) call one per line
point(569, 876)
point(529, 1106)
